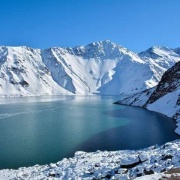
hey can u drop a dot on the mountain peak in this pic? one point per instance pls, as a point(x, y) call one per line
point(164, 48)
point(156, 52)
point(104, 48)
point(103, 43)
point(156, 48)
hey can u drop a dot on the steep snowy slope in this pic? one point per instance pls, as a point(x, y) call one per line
point(107, 67)
point(102, 67)
point(165, 98)
point(131, 75)
point(137, 73)
point(83, 69)
point(22, 72)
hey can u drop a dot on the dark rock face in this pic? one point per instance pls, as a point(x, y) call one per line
point(131, 165)
point(24, 83)
point(148, 172)
point(170, 81)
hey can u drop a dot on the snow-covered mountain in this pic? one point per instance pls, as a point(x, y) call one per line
point(142, 71)
point(164, 98)
point(102, 67)
point(22, 72)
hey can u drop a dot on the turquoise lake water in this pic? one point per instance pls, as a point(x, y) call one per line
point(40, 130)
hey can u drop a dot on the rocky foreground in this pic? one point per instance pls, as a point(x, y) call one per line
point(126, 164)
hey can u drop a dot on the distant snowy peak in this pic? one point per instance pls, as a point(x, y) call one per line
point(160, 56)
point(158, 52)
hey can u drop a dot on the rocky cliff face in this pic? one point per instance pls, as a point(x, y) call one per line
point(170, 82)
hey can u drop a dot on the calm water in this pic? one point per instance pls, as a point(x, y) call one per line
point(45, 129)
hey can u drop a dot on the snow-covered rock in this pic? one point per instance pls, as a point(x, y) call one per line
point(137, 99)
point(164, 98)
point(101, 67)
point(149, 163)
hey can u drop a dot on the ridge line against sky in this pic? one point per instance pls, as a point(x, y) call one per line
point(136, 25)
point(84, 45)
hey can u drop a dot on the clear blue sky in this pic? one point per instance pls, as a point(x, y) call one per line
point(135, 24)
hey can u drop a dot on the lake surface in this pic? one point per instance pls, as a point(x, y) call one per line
point(40, 130)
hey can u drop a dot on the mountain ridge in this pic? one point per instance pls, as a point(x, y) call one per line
point(101, 67)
